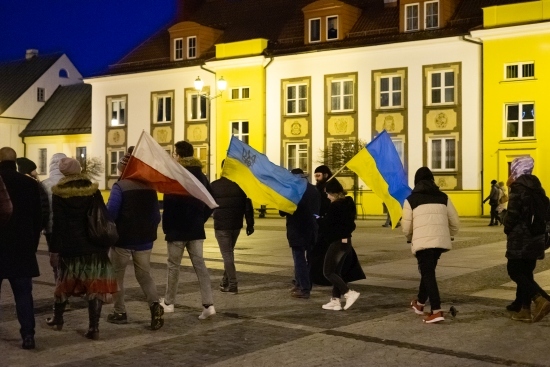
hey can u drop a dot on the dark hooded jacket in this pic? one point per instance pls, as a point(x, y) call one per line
point(183, 217)
point(301, 226)
point(521, 243)
point(71, 199)
point(233, 205)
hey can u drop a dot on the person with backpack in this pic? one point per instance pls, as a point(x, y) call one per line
point(525, 227)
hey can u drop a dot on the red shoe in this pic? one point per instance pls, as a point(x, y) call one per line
point(417, 307)
point(434, 317)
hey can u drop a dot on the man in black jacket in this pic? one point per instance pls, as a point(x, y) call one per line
point(228, 221)
point(493, 202)
point(183, 221)
point(19, 241)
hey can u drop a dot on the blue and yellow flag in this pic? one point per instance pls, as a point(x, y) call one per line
point(262, 181)
point(380, 167)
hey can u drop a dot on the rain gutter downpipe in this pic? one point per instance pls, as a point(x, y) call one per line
point(271, 58)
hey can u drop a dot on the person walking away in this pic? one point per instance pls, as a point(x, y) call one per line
point(84, 269)
point(28, 167)
point(228, 222)
point(134, 207)
point(493, 202)
point(301, 232)
point(183, 221)
point(429, 222)
point(525, 227)
point(337, 227)
point(19, 239)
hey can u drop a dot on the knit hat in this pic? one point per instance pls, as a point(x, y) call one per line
point(334, 186)
point(423, 173)
point(184, 149)
point(124, 160)
point(323, 169)
point(25, 165)
point(522, 166)
point(69, 166)
point(493, 182)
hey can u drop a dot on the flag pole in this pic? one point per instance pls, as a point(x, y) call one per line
point(337, 172)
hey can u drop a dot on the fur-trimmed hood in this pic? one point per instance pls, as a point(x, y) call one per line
point(189, 162)
point(75, 185)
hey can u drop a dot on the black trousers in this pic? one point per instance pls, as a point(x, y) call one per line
point(332, 268)
point(521, 272)
point(494, 214)
point(427, 262)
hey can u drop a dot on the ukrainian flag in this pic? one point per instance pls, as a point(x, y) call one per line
point(379, 166)
point(262, 181)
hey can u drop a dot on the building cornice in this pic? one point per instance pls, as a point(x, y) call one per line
point(522, 30)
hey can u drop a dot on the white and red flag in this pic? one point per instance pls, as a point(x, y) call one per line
point(151, 164)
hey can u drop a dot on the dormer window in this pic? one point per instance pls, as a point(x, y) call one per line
point(178, 49)
point(191, 47)
point(315, 30)
point(332, 27)
point(411, 17)
point(431, 9)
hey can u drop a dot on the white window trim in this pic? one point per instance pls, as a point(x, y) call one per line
point(442, 72)
point(379, 92)
point(156, 98)
point(442, 138)
point(320, 30)
point(189, 48)
point(240, 97)
point(119, 156)
point(520, 70)
point(520, 122)
point(298, 150)
point(240, 134)
point(176, 49)
point(337, 27)
point(297, 86)
point(418, 18)
point(402, 141)
point(110, 111)
point(198, 101)
point(341, 81)
point(426, 16)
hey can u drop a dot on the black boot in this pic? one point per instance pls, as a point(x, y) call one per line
point(57, 319)
point(94, 313)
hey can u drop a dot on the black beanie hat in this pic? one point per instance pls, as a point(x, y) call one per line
point(423, 173)
point(25, 165)
point(323, 169)
point(184, 149)
point(493, 182)
point(334, 187)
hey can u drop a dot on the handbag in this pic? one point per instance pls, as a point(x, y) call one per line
point(101, 229)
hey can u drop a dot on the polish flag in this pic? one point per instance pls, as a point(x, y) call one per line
point(151, 164)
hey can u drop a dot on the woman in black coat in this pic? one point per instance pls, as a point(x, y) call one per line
point(84, 269)
point(337, 227)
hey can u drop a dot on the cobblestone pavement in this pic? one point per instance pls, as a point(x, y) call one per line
point(263, 326)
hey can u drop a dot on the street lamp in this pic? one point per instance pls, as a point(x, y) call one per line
point(199, 84)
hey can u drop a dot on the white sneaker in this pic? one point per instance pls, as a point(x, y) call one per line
point(167, 308)
point(350, 297)
point(334, 305)
point(207, 312)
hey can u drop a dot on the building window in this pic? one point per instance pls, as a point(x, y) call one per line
point(191, 47)
point(340, 152)
point(40, 94)
point(63, 73)
point(297, 157)
point(442, 154)
point(442, 87)
point(296, 99)
point(201, 153)
point(332, 27)
point(240, 93)
point(431, 9)
point(315, 30)
point(390, 91)
point(399, 146)
point(341, 95)
point(520, 120)
point(114, 157)
point(81, 157)
point(239, 129)
point(117, 111)
point(411, 17)
point(42, 161)
point(178, 49)
point(197, 107)
point(162, 108)
point(520, 70)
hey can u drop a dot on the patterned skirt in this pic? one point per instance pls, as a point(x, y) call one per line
point(91, 276)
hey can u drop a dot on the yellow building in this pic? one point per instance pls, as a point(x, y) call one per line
point(516, 79)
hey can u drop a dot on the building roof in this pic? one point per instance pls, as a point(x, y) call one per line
point(16, 77)
point(68, 111)
point(281, 22)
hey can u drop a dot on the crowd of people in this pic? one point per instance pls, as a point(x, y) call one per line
point(319, 233)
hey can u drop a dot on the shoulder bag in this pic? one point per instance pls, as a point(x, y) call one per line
point(101, 229)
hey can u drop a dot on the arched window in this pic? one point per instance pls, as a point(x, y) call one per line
point(63, 73)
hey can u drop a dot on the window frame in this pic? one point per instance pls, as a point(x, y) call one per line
point(191, 49)
point(240, 93)
point(406, 17)
point(520, 121)
point(40, 94)
point(241, 134)
point(443, 157)
point(311, 20)
point(297, 100)
point(337, 27)
point(110, 109)
point(401, 152)
point(426, 14)
point(297, 159)
point(443, 87)
point(114, 164)
point(390, 91)
point(42, 161)
point(342, 95)
point(197, 149)
point(79, 151)
point(520, 70)
point(162, 96)
point(178, 50)
point(191, 103)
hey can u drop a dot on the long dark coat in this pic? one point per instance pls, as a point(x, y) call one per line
point(301, 226)
point(5, 204)
point(19, 237)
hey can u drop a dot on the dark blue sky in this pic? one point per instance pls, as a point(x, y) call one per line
point(93, 33)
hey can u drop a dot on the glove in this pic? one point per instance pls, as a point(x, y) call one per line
point(54, 259)
point(249, 230)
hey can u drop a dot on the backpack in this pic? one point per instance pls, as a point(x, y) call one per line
point(504, 198)
point(539, 213)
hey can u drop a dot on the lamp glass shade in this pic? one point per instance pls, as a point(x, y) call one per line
point(198, 84)
point(222, 84)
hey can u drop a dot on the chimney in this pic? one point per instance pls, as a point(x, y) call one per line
point(390, 3)
point(185, 8)
point(30, 53)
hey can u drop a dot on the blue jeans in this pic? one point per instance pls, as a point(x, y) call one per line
point(22, 293)
point(301, 269)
